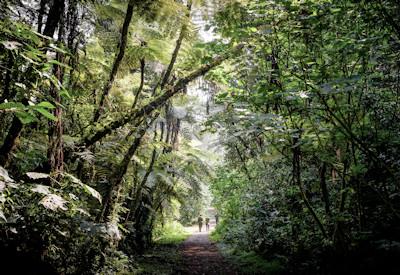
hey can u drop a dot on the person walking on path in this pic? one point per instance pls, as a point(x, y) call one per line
point(207, 223)
point(216, 219)
point(200, 221)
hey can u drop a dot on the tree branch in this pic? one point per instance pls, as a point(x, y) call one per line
point(157, 102)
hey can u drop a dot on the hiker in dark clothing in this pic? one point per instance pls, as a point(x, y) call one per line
point(207, 223)
point(200, 221)
point(216, 219)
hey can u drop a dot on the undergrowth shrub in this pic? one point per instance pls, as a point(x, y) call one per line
point(51, 224)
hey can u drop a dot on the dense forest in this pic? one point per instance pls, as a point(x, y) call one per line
point(124, 120)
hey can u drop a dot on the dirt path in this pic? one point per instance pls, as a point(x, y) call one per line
point(200, 256)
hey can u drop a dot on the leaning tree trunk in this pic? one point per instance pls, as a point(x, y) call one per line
point(111, 198)
point(159, 101)
point(134, 206)
point(297, 179)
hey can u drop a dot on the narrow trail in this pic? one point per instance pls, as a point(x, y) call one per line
point(201, 256)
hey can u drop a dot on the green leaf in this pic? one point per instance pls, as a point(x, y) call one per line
point(29, 59)
point(12, 105)
point(58, 49)
point(36, 175)
point(64, 93)
point(222, 95)
point(4, 175)
point(54, 202)
point(11, 45)
point(46, 104)
point(55, 62)
point(41, 189)
point(25, 117)
point(3, 216)
point(93, 192)
point(46, 114)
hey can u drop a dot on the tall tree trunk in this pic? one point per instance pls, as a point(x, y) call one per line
point(11, 140)
point(243, 161)
point(139, 90)
point(175, 53)
point(340, 237)
point(324, 188)
point(297, 179)
point(177, 48)
point(73, 39)
point(121, 52)
point(176, 130)
point(55, 154)
point(72, 23)
point(7, 93)
point(42, 10)
point(53, 18)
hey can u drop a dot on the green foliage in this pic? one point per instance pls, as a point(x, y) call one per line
point(56, 218)
point(252, 263)
point(247, 262)
point(26, 113)
point(306, 113)
point(48, 93)
point(26, 51)
point(160, 259)
point(164, 256)
point(306, 119)
point(170, 233)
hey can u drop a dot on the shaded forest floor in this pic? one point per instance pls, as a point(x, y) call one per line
point(196, 255)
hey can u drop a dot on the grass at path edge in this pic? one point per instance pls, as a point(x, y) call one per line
point(164, 257)
point(246, 262)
